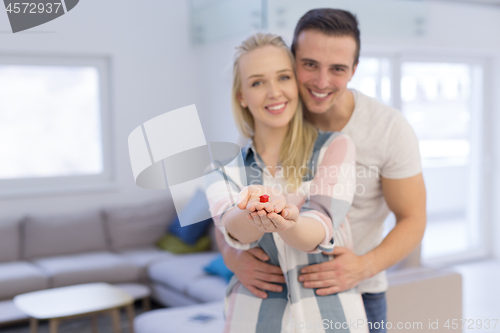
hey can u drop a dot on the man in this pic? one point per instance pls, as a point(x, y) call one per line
point(326, 45)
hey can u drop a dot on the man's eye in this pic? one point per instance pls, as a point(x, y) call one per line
point(309, 64)
point(339, 69)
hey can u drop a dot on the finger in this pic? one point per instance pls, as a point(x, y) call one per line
point(290, 211)
point(280, 205)
point(269, 207)
point(258, 253)
point(256, 220)
point(328, 291)
point(269, 269)
point(244, 196)
point(337, 250)
point(268, 286)
point(268, 224)
point(321, 284)
point(320, 276)
point(321, 267)
point(253, 205)
point(257, 292)
point(277, 219)
point(266, 277)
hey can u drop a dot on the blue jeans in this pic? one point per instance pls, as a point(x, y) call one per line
point(376, 312)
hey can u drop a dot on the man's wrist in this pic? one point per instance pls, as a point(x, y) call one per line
point(370, 267)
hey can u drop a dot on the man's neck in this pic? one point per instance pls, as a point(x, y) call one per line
point(337, 116)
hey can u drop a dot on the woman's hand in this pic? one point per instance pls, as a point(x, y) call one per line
point(272, 216)
point(268, 220)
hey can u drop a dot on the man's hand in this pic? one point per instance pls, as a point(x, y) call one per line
point(251, 270)
point(342, 273)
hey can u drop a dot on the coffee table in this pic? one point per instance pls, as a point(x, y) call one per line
point(62, 303)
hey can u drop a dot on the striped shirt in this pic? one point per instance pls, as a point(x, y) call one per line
point(326, 195)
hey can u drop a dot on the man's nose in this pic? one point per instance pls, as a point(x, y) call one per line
point(322, 80)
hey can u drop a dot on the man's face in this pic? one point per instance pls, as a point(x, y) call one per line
point(325, 64)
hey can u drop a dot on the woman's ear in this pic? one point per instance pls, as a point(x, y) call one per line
point(240, 99)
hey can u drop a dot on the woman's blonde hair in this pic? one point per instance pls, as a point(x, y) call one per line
point(299, 140)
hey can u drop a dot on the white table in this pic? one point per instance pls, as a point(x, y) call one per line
point(85, 299)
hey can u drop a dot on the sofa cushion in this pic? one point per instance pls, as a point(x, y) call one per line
point(87, 268)
point(208, 288)
point(63, 234)
point(181, 271)
point(137, 226)
point(10, 242)
point(143, 257)
point(20, 277)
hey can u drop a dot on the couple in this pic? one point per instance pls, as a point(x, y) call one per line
point(324, 272)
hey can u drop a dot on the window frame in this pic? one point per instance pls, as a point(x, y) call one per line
point(481, 147)
point(65, 184)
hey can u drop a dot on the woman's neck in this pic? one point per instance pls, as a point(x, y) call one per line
point(268, 143)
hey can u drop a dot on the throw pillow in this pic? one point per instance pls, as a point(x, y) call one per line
point(195, 209)
point(175, 245)
point(218, 267)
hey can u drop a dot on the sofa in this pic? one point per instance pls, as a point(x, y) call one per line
point(112, 244)
point(117, 245)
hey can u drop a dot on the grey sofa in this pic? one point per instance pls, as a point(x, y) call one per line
point(114, 245)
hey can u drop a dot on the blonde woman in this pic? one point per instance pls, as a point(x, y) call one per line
point(310, 180)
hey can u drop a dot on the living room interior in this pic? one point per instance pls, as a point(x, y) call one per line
point(72, 215)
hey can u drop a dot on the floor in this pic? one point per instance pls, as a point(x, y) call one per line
point(78, 325)
point(481, 301)
point(481, 295)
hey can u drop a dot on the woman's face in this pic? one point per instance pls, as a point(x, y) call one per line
point(268, 86)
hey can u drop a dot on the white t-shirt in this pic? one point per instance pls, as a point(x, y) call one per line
point(386, 146)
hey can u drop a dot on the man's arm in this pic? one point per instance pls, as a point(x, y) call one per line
point(250, 268)
point(406, 199)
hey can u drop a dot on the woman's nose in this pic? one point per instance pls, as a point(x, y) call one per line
point(274, 91)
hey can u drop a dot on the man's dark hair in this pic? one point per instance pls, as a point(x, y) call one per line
point(331, 22)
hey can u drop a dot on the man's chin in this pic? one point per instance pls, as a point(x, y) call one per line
point(315, 109)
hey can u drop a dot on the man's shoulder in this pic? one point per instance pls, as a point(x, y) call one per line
point(369, 112)
point(370, 106)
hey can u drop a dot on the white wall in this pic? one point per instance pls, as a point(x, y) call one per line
point(153, 72)
point(155, 69)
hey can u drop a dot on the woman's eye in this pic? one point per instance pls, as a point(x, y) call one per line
point(255, 84)
point(284, 78)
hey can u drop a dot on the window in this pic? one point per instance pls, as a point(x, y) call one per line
point(54, 122)
point(441, 101)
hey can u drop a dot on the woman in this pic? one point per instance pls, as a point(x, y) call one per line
point(309, 178)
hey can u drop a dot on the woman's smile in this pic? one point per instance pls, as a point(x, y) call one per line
point(276, 108)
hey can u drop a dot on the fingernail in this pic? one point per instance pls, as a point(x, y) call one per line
point(286, 213)
point(278, 289)
point(301, 278)
point(307, 284)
